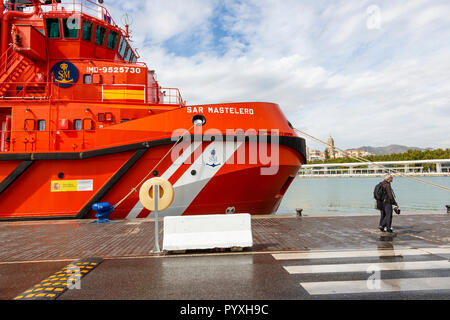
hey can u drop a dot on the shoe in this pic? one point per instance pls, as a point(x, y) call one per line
point(381, 228)
point(390, 231)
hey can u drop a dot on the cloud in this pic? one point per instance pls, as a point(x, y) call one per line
point(157, 21)
point(319, 61)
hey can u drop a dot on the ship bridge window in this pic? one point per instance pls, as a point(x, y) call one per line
point(41, 125)
point(88, 124)
point(71, 27)
point(87, 79)
point(77, 124)
point(53, 28)
point(128, 54)
point(29, 125)
point(100, 34)
point(122, 46)
point(101, 117)
point(113, 38)
point(105, 117)
point(88, 27)
point(96, 78)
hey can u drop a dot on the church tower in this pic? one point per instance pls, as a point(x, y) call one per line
point(330, 148)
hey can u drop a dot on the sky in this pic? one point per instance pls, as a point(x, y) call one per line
point(365, 72)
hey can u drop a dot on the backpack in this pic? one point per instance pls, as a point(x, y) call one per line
point(378, 192)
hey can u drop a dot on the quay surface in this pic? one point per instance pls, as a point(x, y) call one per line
point(310, 257)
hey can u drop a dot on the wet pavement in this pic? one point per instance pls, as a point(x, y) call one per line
point(343, 254)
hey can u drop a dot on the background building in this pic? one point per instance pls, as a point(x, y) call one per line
point(331, 153)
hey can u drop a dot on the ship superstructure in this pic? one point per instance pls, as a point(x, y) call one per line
point(83, 120)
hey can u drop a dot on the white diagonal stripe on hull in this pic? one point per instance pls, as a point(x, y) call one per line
point(138, 207)
point(372, 286)
point(189, 186)
point(180, 160)
point(364, 267)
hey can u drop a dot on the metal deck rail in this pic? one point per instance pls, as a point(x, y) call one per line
point(87, 7)
point(92, 93)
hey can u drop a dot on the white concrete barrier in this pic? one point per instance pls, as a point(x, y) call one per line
point(207, 232)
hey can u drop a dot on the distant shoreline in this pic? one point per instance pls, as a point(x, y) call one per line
point(299, 175)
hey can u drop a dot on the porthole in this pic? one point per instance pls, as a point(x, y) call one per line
point(61, 175)
point(198, 120)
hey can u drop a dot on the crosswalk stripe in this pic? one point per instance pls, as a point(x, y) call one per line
point(437, 250)
point(363, 267)
point(359, 254)
point(385, 285)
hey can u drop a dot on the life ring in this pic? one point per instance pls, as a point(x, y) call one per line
point(165, 194)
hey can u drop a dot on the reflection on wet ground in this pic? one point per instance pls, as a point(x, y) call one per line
point(292, 258)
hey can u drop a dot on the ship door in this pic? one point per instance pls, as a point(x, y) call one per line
point(6, 132)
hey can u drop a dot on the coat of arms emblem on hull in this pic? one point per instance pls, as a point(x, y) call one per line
point(212, 162)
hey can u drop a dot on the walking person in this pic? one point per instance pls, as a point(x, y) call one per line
point(385, 197)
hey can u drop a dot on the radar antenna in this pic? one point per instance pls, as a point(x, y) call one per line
point(127, 20)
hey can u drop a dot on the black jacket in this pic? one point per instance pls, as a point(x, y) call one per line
point(388, 194)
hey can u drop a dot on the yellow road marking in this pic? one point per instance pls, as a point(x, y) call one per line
point(57, 279)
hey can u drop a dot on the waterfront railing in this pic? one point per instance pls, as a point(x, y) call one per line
point(434, 167)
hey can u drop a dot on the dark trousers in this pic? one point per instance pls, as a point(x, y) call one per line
point(386, 216)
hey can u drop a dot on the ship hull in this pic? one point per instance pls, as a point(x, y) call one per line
point(40, 192)
point(244, 172)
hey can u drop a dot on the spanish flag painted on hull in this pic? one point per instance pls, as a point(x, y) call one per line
point(124, 92)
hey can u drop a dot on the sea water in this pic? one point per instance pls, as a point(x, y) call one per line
point(355, 195)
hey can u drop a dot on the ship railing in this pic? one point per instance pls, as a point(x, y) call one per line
point(119, 63)
point(142, 93)
point(24, 90)
point(119, 93)
point(87, 7)
point(37, 137)
point(170, 96)
point(6, 60)
point(93, 93)
point(40, 139)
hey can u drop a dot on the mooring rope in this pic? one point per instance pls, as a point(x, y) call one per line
point(348, 154)
point(360, 159)
point(134, 190)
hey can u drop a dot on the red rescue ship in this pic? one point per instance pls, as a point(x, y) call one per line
point(83, 121)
